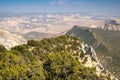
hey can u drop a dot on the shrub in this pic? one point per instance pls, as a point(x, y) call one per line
point(2, 48)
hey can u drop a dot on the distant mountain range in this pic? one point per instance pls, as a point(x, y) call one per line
point(112, 25)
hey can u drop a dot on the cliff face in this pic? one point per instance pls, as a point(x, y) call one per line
point(9, 40)
point(84, 34)
point(90, 51)
point(91, 60)
point(88, 37)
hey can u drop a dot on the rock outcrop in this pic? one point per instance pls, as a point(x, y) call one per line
point(9, 40)
point(91, 60)
point(111, 25)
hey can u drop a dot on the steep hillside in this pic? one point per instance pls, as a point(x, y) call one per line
point(105, 43)
point(60, 58)
point(86, 35)
point(9, 40)
point(111, 39)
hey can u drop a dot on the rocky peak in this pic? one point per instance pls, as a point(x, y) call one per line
point(90, 51)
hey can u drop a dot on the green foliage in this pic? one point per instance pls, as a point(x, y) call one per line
point(32, 43)
point(17, 67)
point(65, 67)
point(82, 54)
point(23, 49)
point(20, 48)
point(2, 48)
point(48, 59)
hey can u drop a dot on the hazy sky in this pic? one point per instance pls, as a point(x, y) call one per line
point(62, 6)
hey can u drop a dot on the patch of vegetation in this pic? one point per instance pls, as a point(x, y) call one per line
point(47, 59)
point(66, 67)
point(2, 48)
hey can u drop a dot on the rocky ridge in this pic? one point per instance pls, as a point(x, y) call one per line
point(81, 51)
point(111, 25)
point(84, 54)
point(91, 60)
point(99, 39)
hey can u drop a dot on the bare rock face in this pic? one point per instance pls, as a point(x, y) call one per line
point(90, 60)
point(90, 51)
point(10, 40)
point(111, 25)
